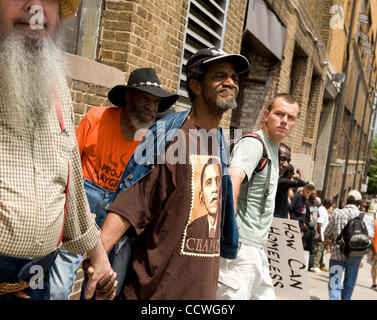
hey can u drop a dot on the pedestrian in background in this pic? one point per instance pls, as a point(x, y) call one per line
point(285, 182)
point(344, 270)
point(323, 219)
point(372, 256)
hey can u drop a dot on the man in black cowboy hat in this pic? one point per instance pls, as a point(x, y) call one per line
point(107, 138)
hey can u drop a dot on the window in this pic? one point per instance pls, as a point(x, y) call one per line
point(205, 27)
point(81, 30)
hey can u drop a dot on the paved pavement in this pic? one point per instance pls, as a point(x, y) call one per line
point(318, 282)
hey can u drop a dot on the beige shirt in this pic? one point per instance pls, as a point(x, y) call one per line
point(33, 176)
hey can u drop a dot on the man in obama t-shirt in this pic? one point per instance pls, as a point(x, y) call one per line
point(177, 209)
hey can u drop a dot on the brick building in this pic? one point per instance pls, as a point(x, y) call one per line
point(331, 135)
point(296, 46)
point(346, 166)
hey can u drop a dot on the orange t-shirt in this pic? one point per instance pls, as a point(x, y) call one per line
point(103, 149)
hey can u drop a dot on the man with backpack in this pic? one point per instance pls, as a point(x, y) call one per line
point(254, 188)
point(350, 234)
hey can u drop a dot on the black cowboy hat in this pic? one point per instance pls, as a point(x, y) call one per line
point(146, 80)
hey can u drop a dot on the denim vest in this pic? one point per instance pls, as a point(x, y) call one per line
point(151, 151)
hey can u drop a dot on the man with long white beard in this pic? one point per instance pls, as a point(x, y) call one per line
point(43, 204)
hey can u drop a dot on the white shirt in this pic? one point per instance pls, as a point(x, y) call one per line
point(323, 219)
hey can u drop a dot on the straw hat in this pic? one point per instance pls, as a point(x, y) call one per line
point(68, 7)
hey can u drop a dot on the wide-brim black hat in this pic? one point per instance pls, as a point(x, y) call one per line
point(146, 80)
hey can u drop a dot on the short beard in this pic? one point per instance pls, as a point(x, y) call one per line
point(28, 68)
point(136, 120)
point(223, 106)
point(220, 106)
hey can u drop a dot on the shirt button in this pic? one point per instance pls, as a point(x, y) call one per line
point(130, 177)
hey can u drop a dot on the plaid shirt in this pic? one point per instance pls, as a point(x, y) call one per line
point(337, 221)
point(33, 176)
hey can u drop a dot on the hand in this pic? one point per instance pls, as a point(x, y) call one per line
point(300, 174)
point(327, 244)
point(106, 286)
point(101, 277)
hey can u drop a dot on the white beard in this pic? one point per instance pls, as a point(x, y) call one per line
point(137, 121)
point(28, 68)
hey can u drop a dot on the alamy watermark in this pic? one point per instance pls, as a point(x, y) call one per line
point(337, 18)
point(161, 148)
point(38, 19)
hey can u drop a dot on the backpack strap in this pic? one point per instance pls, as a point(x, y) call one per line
point(264, 160)
point(343, 233)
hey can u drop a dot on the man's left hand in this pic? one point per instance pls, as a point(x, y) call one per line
point(101, 278)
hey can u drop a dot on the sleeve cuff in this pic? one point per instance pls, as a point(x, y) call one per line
point(85, 242)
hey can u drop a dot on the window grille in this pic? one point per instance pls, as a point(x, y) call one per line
point(205, 27)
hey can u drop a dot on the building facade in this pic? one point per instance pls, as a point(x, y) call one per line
point(352, 55)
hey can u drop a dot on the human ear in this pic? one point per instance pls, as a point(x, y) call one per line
point(196, 87)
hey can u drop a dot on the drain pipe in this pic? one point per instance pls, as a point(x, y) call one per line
point(350, 135)
point(363, 121)
point(339, 105)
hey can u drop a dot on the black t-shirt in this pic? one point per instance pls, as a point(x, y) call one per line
point(281, 200)
point(298, 209)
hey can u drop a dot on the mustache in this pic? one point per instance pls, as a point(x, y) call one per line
point(213, 200)
point(27, 18)
point(147, 111)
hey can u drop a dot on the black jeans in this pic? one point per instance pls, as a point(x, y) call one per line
point(15, 270)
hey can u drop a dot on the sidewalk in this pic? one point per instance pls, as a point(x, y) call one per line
point(318, 284)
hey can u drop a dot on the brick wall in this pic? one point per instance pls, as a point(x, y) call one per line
point(144, 33)
point(301, 59)
point(86, 95)
point(259, 87)
point(150, 33)
point(233, 39)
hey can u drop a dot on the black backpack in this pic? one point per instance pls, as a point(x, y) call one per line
point(354, 239)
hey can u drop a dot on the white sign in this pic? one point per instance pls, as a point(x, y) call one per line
point(286, 260)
